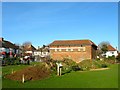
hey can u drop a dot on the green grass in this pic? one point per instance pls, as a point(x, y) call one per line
point(88, 79)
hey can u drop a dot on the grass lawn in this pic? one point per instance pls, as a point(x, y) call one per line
point(88, 79)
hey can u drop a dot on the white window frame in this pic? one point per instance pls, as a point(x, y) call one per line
point(55, 50)
point(60, 50)
point(83, 49)
point(71, 49)
point(67, 49)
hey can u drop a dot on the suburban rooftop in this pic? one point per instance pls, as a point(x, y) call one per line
point(72, 42)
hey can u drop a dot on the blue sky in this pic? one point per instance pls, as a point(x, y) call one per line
point(42, 23)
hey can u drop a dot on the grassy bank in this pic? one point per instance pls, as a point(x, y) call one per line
point(87, 79)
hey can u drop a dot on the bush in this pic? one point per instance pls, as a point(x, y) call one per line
point(85, 65)
point(10, 61)
point(104, 66)
point(76, 68)
point(111, 57)
point(101, 64)
point(69, 62)
point(94, 64)
point(118, 58)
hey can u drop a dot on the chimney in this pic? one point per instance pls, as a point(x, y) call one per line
point(1, 39)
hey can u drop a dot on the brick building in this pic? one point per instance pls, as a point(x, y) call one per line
point(77, 50)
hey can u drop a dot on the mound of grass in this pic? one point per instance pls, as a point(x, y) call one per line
point(92, 64)
point(31, 73)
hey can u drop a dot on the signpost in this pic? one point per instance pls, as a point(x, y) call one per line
point(59, 67)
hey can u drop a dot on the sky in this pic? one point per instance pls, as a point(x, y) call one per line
point(42, 23)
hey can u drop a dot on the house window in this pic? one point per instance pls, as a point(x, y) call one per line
point(44, 52)
point(112, 52)
point(59, 49)
point(55, 50)
point(71, 49)
point(81, 49)
point(66, 49)
point(78, 49)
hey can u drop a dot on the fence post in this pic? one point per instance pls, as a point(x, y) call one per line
point(23, 78)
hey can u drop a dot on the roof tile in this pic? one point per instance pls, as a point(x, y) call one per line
point(72, 42)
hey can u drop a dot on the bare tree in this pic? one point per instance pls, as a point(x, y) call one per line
point(26, 46)
point(27, 43)
point(103, 47)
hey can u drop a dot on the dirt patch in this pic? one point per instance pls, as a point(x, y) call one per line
point(30, 73)
point(99, 69)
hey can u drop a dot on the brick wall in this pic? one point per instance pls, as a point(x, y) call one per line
point(75, 55)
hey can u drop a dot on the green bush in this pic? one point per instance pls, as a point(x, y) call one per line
point(68, 65)
point(111, 57)
point(76, 68)
point(69, 62)
point(104, 66)
point(92, 64)
point(100, 64)
point(85, 65)
point(11, 61)
point(66, 68)
point(118, 58)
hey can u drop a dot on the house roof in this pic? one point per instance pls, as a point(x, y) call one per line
point(7, 44)
point(72, 42)
point(110, 48)
point(29, 48)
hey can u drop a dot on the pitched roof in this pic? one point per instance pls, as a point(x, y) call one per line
point(29, 48)
point(110, 48)
point(8, 44)
point(72, 42)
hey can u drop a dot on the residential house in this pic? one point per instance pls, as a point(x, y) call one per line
point(77, 50)
point(42, 53)
point(7, 48)
point(111, 51)
point(28, 50)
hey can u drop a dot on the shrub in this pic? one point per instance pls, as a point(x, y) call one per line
point(69, 62)
point(94, 64)
point(111, 57)
point(76, 68)
point(101, 64)
point(104, 66)
point(66, 68)
point(85, 65)
point(118, 58)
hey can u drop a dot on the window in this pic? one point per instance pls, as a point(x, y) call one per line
point(112, 52)
point(81, 49)
point(66, 49)
point(59, 49)
point(55, 50)
point(78, 49)
point(71, 49)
